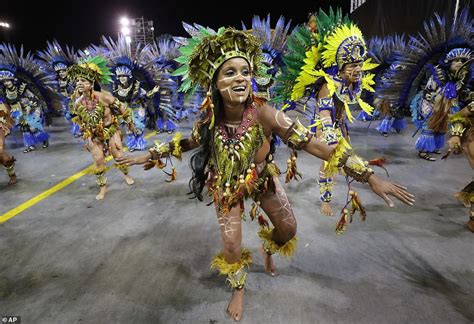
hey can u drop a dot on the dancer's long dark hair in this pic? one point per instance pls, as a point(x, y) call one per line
point(200, 158)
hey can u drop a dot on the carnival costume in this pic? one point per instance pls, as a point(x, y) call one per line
point(59, 60)
point(33, 91)
point(431, 53)
point(232, 174)
point(137, 93)
point(315, 59)
point(384, 52)
point(89, 115)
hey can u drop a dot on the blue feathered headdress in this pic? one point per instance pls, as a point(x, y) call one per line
point(124, 66)
point(273, 40)
point(458, 53)
point(56, 58)
point(7, 71)
point(430, 47)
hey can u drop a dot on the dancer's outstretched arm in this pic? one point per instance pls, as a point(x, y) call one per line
point(295, 135)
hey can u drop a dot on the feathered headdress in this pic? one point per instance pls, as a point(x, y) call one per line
point(338, 42)
point(124, 59)
point(298, 43)
point(163, 53)
point(273, 43)
point(205, 52)
point(187, 46)
point(430, 47)
point(458, 53)
point(7, 71)
point(344, 45)
point(93, 69)
point(384, 52)
point(26, 69)
point(56, 58)
point(273, 40)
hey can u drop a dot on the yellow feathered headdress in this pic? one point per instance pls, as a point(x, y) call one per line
point(344, 45)
point(337, 43)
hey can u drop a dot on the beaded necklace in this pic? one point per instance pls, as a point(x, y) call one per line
point(90, 111)
point(232, 164)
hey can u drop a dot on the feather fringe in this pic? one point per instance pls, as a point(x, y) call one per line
point(225, 268)
point(286, 250)
point(332, 166)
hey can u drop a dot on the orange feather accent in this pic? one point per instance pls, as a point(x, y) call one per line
point(378, 161)
point(173, 175)
point(342, 223)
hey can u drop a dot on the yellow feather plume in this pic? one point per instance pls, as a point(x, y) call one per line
point(368, 82)
point(306, 76)
point(225, 268)
point(348, 112)
point(331, 166)
point(368, 65)
point(365, 106)
point(285, 250)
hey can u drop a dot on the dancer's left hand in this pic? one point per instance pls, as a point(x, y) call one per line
point(385, 188)
point(454, 144)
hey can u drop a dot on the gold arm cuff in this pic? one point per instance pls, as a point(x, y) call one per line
point(356, 168)
point(297, 135)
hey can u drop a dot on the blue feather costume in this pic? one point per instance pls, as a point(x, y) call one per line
point(56, 59)
point(133, 85)
point(427, 83)
point(31, 91)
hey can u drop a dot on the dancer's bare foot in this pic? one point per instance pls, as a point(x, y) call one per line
point(236, 305)
point(13, 180)
point(326, 209)
point(463, 198)
point(101, 193)
point(129, 180)
point(470, 225)
point(268, 263)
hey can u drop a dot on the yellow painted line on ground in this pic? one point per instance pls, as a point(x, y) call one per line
point(45, 194)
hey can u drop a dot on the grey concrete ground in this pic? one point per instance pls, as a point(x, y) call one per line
point(142, 255)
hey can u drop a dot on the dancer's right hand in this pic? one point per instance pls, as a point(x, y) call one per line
point(133, 159)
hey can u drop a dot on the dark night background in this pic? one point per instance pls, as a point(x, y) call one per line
point(79, 23)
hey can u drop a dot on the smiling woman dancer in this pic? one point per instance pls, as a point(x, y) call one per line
point(233, 153)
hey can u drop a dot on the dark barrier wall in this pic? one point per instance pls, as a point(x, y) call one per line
point(385, 17)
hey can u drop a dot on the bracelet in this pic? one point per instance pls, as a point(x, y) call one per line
point(297, 135)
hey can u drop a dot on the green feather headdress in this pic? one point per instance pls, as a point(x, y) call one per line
point(206, 50)
point(93, 69)
point(337, 42)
